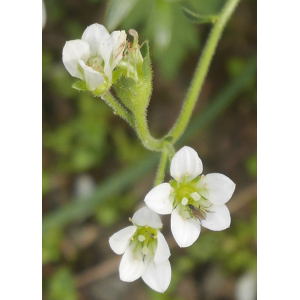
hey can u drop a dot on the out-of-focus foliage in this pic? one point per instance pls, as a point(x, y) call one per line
point(62, 285)
point(81, 141)
point(52, 245)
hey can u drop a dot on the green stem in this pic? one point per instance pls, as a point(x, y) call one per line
point(160, 174)
point(201, 71)
point(146, 138)
point(118, 109)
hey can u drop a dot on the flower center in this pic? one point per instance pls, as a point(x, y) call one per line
point(95, 63)
point(188, 196)
point(145, 239)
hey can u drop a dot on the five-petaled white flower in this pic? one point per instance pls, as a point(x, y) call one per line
point(192, 200)
point(146, 252)
point(94, 57)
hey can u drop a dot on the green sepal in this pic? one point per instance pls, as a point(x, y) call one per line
point(80, 85)
point(101, 89)
point(198, 18)
point(116, 74)
point(135, 94)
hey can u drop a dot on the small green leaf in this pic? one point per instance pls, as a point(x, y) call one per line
point(80, 85)
point(117, 11)
point(198, 18)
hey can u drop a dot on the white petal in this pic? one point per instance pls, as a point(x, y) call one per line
point(185, 229)
point(120, 240)
point(119, 38)
point(106, 48)
point(217, 219)
point(162, 250)
point(217, 188)
point(186, 164)
point(94, 35)
point(147, 217)
point(92, 78)
point(158, 199)
point(158, 276)
point(131, 266)
point(73, 51)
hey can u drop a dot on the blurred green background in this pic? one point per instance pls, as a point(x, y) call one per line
point(96, 173)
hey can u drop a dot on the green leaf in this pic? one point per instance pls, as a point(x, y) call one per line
point(80, 85)
point(184, 39)
point(198, 18)
point(117, 11)
point(163, 24)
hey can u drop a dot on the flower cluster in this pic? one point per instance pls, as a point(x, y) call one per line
point(192, 199)
point(94, 57)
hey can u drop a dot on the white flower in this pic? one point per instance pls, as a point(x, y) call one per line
point(146, 252)
point(94, 57)
point(192, 200)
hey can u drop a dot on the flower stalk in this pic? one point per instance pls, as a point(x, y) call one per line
point(201, 71)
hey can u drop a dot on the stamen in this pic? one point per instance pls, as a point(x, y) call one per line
point(141, 238)
point(196, 196)
point(184, 201)
point(186, 174)
point(130, 220)
point(202, 176)
point(132, 238)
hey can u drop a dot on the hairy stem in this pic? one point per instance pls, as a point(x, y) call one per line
point(202, 70)
point(160, 174)
point(118, 109)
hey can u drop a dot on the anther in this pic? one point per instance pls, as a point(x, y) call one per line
point(184, 201)
point(145, 250)
point(130, 219)
point(196, 196)
point(141, 238)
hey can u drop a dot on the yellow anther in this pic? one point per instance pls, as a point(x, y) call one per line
point(186, 174)
point(177, 178)
point(202, 176)
point(155, 237)
point(132, 238)
point(147, 226)
point(130, 219)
